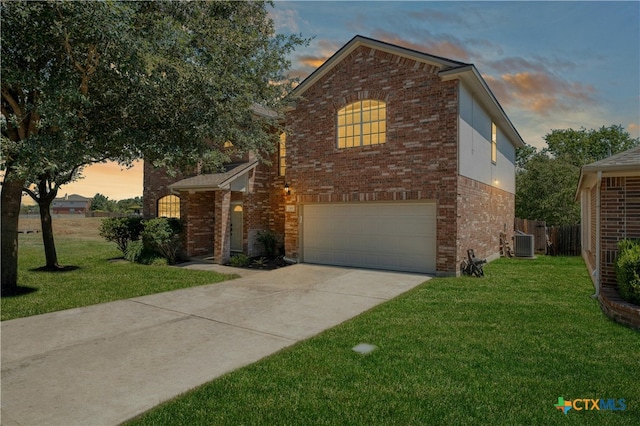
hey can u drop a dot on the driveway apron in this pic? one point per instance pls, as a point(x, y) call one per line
point(104, 364)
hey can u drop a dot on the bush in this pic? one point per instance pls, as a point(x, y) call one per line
point(138, 253)
point(268, 240)
point(239, 260)
point(163, 236)
point(628, 270)
point(121, 230)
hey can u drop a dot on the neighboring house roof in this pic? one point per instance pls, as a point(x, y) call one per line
point(449, 70)
point(626, 163)
point(622, 161)
point(215, 181)
point(72, 197)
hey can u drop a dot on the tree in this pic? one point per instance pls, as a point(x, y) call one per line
point(545, 190)
point(580, 147)
point(546, 181)
point(168, 81)
point(101, 202)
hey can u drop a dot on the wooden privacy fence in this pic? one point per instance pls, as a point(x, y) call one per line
point(554, 240)
point(564, 240)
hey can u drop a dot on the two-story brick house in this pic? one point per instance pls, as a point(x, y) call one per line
point(393, 159)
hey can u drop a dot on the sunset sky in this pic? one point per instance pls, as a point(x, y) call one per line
point(552, 65)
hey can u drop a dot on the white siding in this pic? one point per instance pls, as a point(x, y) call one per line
point(474, 132)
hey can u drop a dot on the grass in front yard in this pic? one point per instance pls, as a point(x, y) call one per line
point(96, 280)
point(497, 350)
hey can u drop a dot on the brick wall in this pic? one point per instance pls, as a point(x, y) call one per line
point(619, 219)
point(619, 310)
point(483, 213)
point(418, 161)
point(155, 186)
point(198, 211)
point(263, 208)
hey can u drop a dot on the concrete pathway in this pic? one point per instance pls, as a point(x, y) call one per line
point(104, 364)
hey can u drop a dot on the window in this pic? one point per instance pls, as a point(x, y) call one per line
point(494, 143)
point(362, 123)
point(169, 206)
point(282, 154)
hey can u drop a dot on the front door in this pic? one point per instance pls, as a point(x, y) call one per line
point(236, 227)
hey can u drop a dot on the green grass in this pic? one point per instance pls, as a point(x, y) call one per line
point(96, 280)
point(497, 350)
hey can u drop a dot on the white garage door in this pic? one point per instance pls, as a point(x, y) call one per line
point(396, 236)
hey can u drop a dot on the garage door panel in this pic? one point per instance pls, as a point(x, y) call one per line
point(396, 236)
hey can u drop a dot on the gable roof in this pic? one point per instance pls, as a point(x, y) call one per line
point(449, 70)
point(626, 163)
point(214, 181)
point(622, 161)
point(72, 197)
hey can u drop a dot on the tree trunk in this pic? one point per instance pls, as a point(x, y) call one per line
point(47, 233)
point(9, 216)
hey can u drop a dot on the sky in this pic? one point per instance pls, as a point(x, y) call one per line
point(551, 65)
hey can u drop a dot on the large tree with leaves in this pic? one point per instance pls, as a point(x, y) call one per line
point(546, 181)
point(85, 82)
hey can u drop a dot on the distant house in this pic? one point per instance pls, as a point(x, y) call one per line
point(394, 159)
point(71, 204)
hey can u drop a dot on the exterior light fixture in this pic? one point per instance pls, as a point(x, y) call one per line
point(287, 190)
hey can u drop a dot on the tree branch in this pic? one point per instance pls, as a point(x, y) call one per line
point(17, 110)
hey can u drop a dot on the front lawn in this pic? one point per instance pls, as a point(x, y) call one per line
point(454, 351)
point(99, 277)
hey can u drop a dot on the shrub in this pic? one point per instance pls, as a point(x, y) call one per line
point(628, 270)
point(269, 240)
point(138, 253)
point(163, 235)
point(121, 230)
point(239, 260)
point(133, 252)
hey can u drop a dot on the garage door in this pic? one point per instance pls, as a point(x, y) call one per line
point(396, 236)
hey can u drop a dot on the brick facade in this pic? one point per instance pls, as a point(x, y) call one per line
point(619, 219)
point(418, 161)
point(483, 213)
point(206, 214)
point(156, 183)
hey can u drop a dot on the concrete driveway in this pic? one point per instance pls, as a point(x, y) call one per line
point(103, 364)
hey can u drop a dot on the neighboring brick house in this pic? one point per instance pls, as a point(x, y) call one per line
point(395, 159)
point(609, 195)
point(71, 204)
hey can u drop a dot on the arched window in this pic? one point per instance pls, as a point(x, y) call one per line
point(169, 206)
point(362, 123)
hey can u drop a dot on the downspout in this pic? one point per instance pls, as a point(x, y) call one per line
point(596, 272)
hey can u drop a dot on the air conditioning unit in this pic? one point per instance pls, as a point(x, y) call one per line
point(523, 245)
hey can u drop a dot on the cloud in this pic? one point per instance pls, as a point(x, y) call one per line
point(286, 20)
point(443, 45)
point(633, 129)
point(536, 63)
point(314, 56)
point(431, 15)
point(540, 92)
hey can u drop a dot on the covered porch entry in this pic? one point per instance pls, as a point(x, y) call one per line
point(212, 208)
